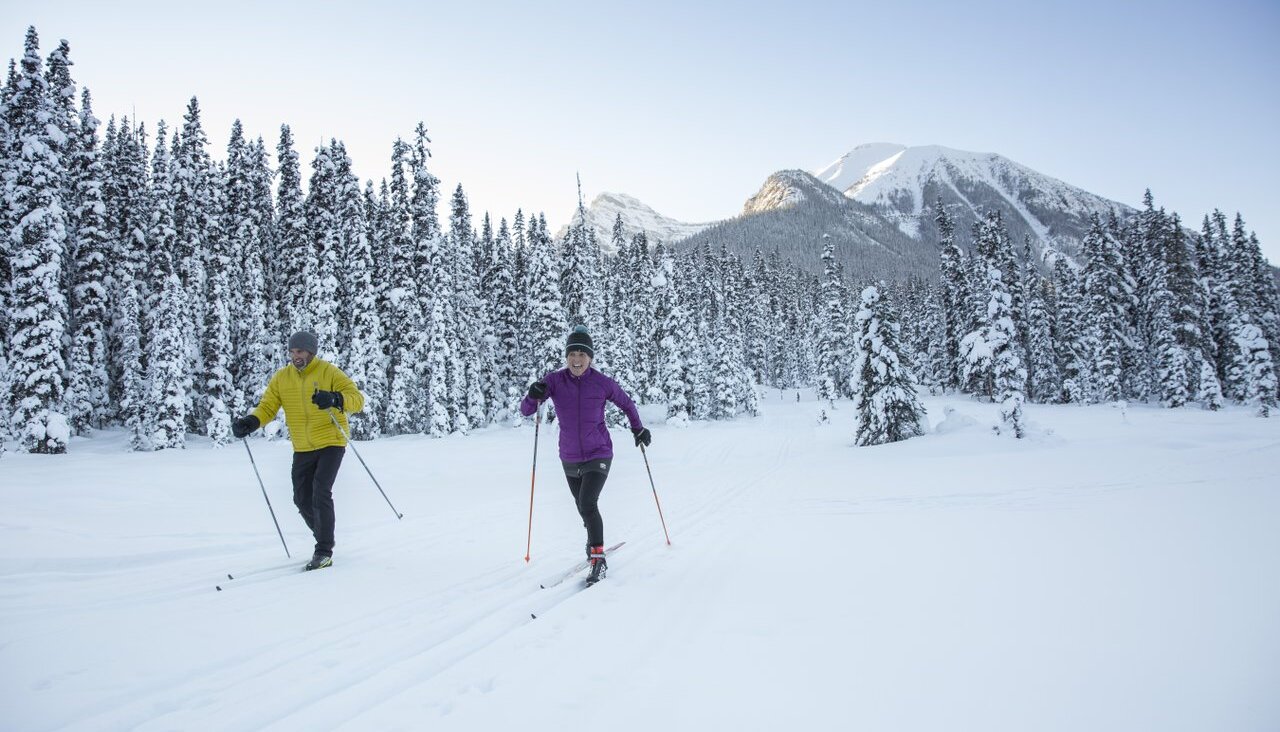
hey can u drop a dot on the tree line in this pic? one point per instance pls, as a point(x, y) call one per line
point(146, 284)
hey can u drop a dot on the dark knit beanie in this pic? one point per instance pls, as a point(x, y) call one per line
point(304, 341)
point(579, 340)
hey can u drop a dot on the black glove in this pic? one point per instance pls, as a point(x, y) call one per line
point(327, 399)
point(245, 426)
point(642, 436)
point(538, 391)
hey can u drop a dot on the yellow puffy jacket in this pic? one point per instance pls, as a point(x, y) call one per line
point(309, 426)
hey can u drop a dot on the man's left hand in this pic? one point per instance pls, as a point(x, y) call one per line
point(327, 399)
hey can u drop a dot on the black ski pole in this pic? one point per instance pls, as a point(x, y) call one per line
point(362, 462)
point(264, 496)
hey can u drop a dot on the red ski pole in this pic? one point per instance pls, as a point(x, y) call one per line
point(655, 495)
point(533, 477)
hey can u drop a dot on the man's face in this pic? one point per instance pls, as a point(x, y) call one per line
point(300, 358)
point(578, 362)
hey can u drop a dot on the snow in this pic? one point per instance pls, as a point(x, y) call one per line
point(1115, 570)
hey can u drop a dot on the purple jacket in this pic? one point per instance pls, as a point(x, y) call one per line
point(579, 403)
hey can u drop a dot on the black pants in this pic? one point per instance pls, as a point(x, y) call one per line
point(586, 480)
point(313, 476)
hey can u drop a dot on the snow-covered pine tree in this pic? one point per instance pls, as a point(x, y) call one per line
point(218, 393)
point(505, 294)
point(324, 228)
point(648, 316)
point(65, 144)
point(195, 221)
point(263, 214)
point(472, 327)
point(1044, 381)
point(37, 241)
point(167, 368)
point(746, 396)
point(166, 411)
point(1008, 375)
point(364, 351)
point(249, 364)
point(493, 389)
point(87, 392)
point(294, 263)
point(404, 332)
point(831, 334)
point(546, 326)
point(444, 381)
point(956, 313)
point(6, 273)
point(133, 383)
point(1255, 290)
point(578, 277)
point(888, 410)
point(1106, 327)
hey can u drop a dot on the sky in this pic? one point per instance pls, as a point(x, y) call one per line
point(689, 107)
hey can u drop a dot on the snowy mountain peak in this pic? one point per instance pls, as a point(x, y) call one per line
point(854, 165)
point(636, 217)
point(903, 183)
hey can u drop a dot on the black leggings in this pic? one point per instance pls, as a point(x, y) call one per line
point(586, 480)
point(313, 476)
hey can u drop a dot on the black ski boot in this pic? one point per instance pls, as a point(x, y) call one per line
point(319, 561)
point(598, 565)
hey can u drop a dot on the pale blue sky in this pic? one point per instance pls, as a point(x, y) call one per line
point(690, 106)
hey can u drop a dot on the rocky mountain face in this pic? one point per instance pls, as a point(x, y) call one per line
point(877, 204)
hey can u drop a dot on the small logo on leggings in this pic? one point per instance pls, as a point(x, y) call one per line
point(604, 466)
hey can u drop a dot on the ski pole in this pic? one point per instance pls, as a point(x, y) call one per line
point(268, 500)
point(352, 444)
point(533, 476)
point(655, 495)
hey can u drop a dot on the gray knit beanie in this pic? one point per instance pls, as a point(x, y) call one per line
point(306, 341)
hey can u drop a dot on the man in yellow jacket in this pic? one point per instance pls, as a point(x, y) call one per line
point(313, 393)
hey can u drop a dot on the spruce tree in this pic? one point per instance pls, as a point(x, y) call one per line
point(167, 374)
point(888, 410)
point(546, 323)
point(364, 353)
point(87, 392)
point(195, 215)
point(295, 260)
point(324, 231)
point(405, 339)
point(218, 393)
point(1105, 331)
point(133, 383)
point(831, 334)
point(37, 241)
point(249, 363)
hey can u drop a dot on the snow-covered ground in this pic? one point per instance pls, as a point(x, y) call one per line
point(1118, 570)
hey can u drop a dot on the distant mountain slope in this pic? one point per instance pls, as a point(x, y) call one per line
point(878, 203)
point(903, 184)
point(636, 217)
point(804, 213)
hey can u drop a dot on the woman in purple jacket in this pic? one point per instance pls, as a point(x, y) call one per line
point(579, 393)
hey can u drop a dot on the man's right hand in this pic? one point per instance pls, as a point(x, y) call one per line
point(538, 391)
point(245, 426)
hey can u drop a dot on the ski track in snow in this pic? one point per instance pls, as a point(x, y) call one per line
point(808, 583)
